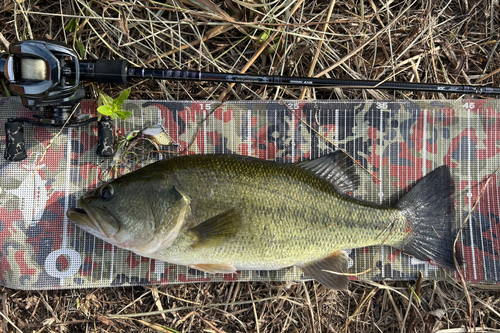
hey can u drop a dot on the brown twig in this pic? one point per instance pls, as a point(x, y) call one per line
point(462, 280)
point(257, 54)
point(318, 47)
point(359, 48)
point(199, 127)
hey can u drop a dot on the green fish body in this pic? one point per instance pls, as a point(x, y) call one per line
point(222, 213)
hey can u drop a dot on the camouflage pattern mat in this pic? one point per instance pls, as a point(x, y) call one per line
point(398, 141)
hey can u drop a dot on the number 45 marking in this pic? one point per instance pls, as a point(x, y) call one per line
point(469, 105)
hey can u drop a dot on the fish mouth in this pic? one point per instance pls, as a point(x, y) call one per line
point(80, 217)
point(78, 211)
point(95, 221)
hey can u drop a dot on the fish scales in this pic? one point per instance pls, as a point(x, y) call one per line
point(298, 215)
point(221, 213)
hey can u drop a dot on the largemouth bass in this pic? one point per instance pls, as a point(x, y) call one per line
point(222, 213)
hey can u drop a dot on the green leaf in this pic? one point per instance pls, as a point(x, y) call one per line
point(105, 99)
point(263, 37)
point(7, 92)
point(87, 12)
point(105, 110)
point(100, 99)
point(81, 48)
point(112, 107)
point(123, 97)
point(71, 26)
point(124, 114)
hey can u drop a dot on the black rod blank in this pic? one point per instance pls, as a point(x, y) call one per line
point(118, 71)
point(189, 75)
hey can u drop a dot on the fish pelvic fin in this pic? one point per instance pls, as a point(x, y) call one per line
point(330, 271)
point(217, 230)
point(430, 210)
point(336, 168)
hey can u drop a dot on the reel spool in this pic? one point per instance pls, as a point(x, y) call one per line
point(46, 75)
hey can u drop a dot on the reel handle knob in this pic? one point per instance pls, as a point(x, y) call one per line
point(14, 139)
point(105, 144)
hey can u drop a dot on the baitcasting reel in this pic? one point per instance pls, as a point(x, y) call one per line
point(47, 76)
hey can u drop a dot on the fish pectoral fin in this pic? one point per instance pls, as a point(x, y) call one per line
point(214, 268)
point(330, 271)
point(217, 230)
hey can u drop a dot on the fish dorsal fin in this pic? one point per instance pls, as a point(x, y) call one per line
point(329, 271)
point(217, 230)
point(334, 168)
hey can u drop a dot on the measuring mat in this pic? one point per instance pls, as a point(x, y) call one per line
point(397, 141)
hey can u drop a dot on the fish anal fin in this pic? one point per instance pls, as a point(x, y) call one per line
point(330, 271)
point(217, 230)
point(214, 268)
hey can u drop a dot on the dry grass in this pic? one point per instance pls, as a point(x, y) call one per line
point(414, 41)
point(252, 307)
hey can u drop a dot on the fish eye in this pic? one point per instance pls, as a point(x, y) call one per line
point(107, 191)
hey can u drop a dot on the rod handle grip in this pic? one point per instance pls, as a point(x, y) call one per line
point(111, 71)
point(104, 71)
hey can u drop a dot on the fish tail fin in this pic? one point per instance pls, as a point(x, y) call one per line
point(429, 208)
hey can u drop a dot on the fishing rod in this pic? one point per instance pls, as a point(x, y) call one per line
point(47, 75)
